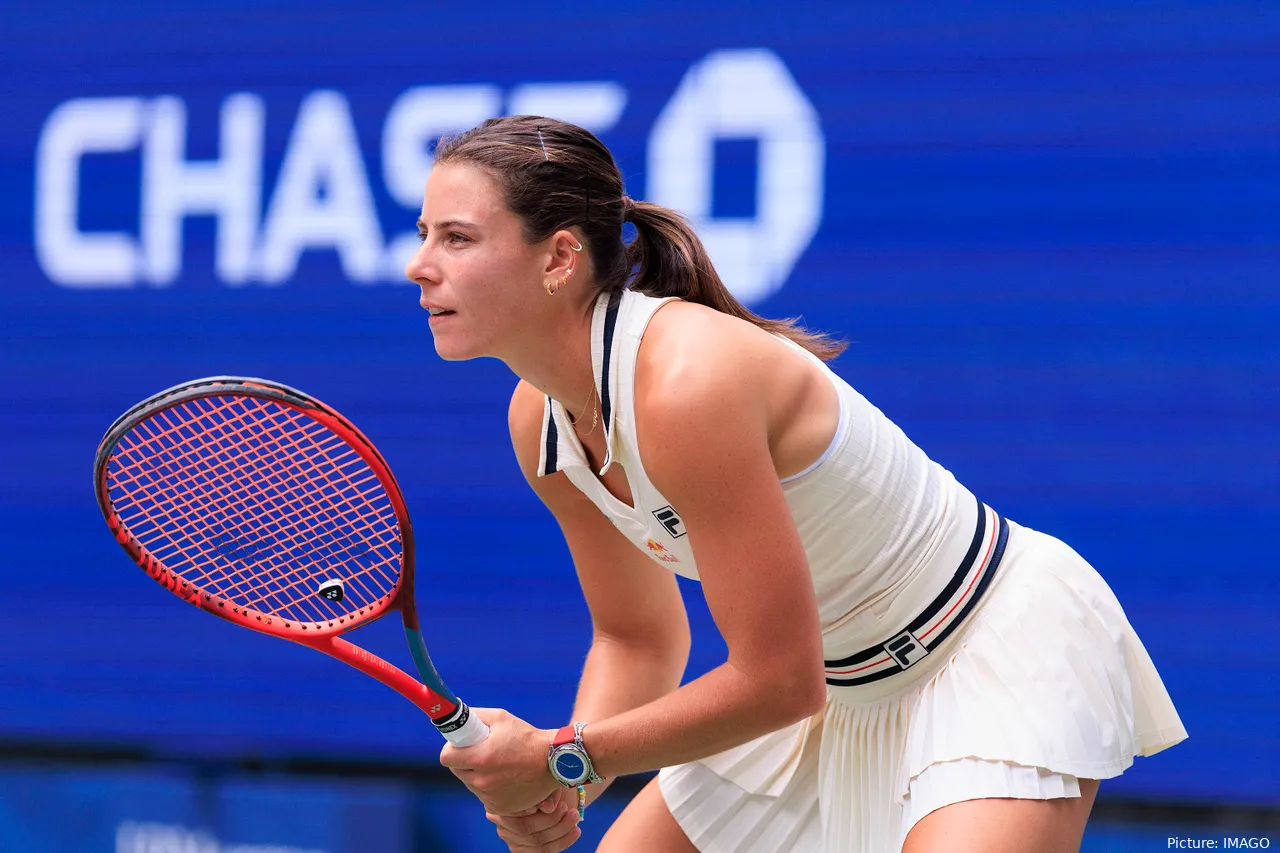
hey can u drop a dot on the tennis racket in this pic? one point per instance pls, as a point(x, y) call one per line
point(262, 505)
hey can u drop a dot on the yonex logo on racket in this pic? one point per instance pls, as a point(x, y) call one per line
point(332, 589)
point(670, 520)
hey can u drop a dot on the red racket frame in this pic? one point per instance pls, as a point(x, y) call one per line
point(445, 710)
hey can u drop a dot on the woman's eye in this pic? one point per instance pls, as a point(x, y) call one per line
point(454, 237)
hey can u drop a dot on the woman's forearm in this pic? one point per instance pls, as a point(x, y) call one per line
point(618, 677)
point(722, 709)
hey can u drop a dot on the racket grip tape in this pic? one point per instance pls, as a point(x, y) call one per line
point(464, 728)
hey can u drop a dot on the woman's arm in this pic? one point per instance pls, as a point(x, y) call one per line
point(704, 417)
point(640, 633)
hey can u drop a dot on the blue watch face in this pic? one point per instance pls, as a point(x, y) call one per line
point(570, 766)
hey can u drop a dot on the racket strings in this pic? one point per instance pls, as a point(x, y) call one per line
point(231, 547)
point(170, 463)
point(319, 607)
point(270, 531)
point(346, 458)
point(251, 511)
point(368, 487)
point(175, 508)
point(257, 503)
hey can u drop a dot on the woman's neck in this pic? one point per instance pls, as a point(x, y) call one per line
point(558, 363)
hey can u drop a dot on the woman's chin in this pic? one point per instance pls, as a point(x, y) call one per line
point(453, 350)
point(448, 354)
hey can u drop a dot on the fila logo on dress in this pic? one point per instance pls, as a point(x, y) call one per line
point(670, 520)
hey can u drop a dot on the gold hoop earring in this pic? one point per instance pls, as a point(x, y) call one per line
point(577, 248)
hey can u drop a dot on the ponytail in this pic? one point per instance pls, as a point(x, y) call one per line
point(670, 260)
point(558, 175)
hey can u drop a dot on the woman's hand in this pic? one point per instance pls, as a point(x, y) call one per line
point(550, 828)
point(508, 771)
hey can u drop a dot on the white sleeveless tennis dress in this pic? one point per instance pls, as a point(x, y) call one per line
point(966, 656)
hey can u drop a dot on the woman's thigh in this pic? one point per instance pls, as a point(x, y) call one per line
point(1005, 825)
point(646, 824)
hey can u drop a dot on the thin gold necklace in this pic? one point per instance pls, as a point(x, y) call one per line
point(595, 412)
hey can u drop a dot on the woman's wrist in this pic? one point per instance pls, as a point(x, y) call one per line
point(568, 760)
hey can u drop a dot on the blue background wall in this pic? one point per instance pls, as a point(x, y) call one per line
point(1050, 232)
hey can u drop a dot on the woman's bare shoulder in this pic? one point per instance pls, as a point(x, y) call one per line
point(687, 346)
point(524, 420)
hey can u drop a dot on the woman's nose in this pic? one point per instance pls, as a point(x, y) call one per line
point(419, 268)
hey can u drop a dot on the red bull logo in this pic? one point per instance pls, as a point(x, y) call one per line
point(659, 552)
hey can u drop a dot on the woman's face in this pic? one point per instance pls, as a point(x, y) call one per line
point(479, 278)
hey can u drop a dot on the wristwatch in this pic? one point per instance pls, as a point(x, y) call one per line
point(570, 765)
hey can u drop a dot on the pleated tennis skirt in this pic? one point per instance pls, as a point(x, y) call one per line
point(1045, 684)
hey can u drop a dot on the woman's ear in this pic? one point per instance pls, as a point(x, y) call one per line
point(566, 257)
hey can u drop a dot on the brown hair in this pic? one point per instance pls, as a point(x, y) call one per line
point(557, 175)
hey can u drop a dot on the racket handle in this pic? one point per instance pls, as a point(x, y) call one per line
point(470, 733)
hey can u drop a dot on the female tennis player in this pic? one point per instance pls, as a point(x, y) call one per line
point(907, 669)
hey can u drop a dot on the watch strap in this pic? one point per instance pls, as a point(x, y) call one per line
point(592, 776)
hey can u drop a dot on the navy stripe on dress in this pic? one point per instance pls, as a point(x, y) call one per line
point(1002, 537)
point(552, 441)
point(958, 578)
point(610, 323)
point(997, 552)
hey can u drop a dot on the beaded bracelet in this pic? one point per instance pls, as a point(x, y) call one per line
point(582, 801)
